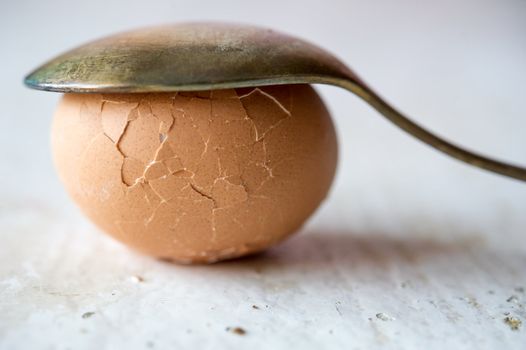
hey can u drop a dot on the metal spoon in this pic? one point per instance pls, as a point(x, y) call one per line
point(207, 56)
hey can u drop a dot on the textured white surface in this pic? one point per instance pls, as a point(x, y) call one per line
point(411, 250)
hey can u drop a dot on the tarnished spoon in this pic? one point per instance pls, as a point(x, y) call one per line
point(207, 56)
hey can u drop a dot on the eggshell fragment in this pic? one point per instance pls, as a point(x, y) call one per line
point(197, 176)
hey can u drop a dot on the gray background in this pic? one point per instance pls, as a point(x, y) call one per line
point(455, 67)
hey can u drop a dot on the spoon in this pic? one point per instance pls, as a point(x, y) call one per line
point(210, 56)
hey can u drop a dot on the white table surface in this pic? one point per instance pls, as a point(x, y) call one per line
point(411, 250)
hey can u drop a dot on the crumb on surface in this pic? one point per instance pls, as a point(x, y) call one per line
point(88, 314)
point(136, 279)
point(513, 322)
point(236, 330)
point(473, 302)
point(255, 307)
point(384, 317)
point(512, 299)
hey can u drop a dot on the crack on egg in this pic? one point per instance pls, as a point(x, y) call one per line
point(114, 118)
point(274, 99)
point(163, 165)
point(203, 194)
point(255, 108)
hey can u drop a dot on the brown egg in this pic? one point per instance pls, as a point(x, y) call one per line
point(201, 176)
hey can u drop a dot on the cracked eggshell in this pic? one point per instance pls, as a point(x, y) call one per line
point(197, 176)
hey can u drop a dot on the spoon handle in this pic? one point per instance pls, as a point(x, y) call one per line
point(360, 89)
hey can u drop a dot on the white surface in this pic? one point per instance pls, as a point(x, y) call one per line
point(436, 246)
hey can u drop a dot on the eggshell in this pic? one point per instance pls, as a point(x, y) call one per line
point(197, 176)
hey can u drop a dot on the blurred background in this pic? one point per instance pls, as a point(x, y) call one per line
point(456, 67)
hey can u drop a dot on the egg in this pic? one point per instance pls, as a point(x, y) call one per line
point(197, 177)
